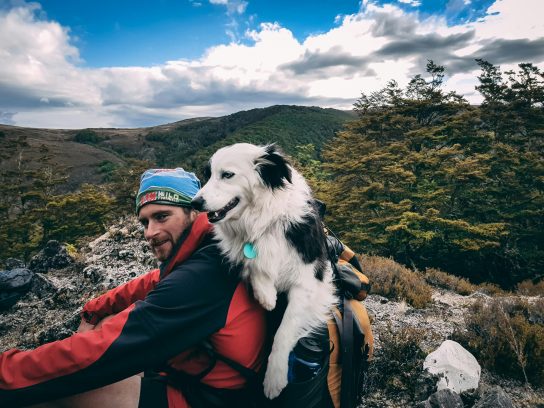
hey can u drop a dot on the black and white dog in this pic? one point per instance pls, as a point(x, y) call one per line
point(264, 218)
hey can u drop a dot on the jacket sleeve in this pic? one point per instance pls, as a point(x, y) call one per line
point(118, 299)
point(187, 306)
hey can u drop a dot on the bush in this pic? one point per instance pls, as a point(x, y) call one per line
point(506, 335)
point(492, 290)
point(397, 367)
point(88, 136)
point(444, 280)
point(394, 281)
point(529, 288)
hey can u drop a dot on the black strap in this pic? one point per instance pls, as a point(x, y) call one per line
point(248, 373)
point(346, 393)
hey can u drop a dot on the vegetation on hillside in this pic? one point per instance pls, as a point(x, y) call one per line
point(418, 174)
point(287, 126)
point(507, 336)
point(426, 178)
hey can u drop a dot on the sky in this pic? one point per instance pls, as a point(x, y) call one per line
point(121, 63)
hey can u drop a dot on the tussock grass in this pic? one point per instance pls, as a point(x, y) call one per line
point(394, 281)
point(444, 280)
point(529, 288)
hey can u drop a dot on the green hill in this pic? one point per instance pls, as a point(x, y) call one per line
point(88, 155)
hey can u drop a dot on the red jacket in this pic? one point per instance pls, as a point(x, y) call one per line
point(160, 318)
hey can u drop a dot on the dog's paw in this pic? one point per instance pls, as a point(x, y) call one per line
point(267, 299)
point(275, 380)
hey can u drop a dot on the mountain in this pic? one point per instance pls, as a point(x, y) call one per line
point(87, 154)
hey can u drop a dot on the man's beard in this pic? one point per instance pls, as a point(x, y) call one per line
point(162, 249)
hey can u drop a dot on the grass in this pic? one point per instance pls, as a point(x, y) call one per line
point(396, 282)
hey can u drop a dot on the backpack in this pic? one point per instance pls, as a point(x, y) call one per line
point(350, 334)
point(339, 382)
point(351, 346)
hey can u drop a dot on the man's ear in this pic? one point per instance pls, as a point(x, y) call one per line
point(193, 215)
point(273, 167)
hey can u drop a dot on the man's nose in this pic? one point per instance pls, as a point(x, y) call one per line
point(151, 230)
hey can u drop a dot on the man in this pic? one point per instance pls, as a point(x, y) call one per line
point(337, 249)
point(165, 320)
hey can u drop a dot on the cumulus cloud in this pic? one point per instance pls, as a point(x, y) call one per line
point(43, 81)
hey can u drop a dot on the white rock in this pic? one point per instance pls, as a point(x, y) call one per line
point(459, 368)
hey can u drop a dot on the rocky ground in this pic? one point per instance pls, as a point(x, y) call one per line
point(50, 309)
point(438, 322)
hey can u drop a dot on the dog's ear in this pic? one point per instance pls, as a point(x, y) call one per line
point(273, 168)
point(207, 171)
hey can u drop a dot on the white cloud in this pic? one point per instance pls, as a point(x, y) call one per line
point(43, 82)
point(413, 3)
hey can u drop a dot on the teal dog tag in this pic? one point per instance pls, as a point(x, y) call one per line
point(249, 251)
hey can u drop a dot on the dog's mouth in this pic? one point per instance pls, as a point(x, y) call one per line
point(214, 216)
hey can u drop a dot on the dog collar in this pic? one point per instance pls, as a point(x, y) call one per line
point(249, 250)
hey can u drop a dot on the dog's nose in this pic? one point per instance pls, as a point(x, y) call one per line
point(198, 203)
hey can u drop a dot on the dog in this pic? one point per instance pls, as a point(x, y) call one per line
point(265, 219)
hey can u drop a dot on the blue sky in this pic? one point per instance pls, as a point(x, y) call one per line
point(125, 32)
point(137, 63)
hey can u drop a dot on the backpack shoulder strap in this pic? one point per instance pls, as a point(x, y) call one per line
point(248, 373)
point(346, 394)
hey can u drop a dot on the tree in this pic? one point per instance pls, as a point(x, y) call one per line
point(424, 177)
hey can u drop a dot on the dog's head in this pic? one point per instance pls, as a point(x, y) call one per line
point(236, 175)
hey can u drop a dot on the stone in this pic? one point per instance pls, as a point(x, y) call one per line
point(13, 285)
point(42, 287)
point(53, 256)
point(12, 263)
point(445, 398)
point(17, 279)
point(458, 369)
point(495, 398)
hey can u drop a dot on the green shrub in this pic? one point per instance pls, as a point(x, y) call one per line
point(88, 136)
point(395, 281)
point(506, 335)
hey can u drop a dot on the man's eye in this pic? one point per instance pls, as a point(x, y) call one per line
point(227, 174)
point(161, 217)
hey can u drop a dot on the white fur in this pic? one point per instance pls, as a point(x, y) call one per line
point(262, 218)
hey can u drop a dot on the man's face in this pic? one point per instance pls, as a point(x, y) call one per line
point(163, 226)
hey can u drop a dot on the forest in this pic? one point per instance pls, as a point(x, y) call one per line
point(416, 174)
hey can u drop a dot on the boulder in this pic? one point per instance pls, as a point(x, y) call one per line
point(13, 285)
point(17, 279)
point(458, 369)
point(495, 398)
point(52, 256)
point(42, 287)
point(445, 398)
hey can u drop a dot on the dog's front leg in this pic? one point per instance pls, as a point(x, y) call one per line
point(264, 289)
point(294, 325)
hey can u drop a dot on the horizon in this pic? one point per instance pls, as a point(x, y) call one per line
point(131, 65)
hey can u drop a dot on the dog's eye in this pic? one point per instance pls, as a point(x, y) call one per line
point(227, 174)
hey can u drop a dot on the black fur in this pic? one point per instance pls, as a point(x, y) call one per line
point(308, 239)
point(320, 267)
point(207, 172)
point(274, 168)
